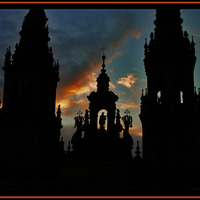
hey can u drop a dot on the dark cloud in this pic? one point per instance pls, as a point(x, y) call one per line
point(76, 37)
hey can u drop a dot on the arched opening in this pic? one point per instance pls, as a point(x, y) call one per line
point(104, 113)
point(181, 97)
point(159, 97)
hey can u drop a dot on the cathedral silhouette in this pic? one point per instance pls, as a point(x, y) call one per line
point(31, 144)
point(102, 143)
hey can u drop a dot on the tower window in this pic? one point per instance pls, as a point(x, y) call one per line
point(181, 97)
point(159, 97)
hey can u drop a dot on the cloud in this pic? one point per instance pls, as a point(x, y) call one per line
point(128, 105)
point(136, 130)
point(142, 79)
point(135, 32)
point(111, 85)
point(124, 93)
point(77, 39)
point(128, 81)
point(72, 97)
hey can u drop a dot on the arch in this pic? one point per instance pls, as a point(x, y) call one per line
point(98, 117)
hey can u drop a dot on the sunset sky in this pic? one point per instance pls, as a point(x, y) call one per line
point(77, 37)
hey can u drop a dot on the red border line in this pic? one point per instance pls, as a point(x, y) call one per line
point(100, 197)
point(98, 2)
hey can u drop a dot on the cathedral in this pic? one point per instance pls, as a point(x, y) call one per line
point(31, 146)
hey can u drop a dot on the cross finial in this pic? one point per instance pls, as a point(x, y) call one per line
point(103, 49)
point(103, 57)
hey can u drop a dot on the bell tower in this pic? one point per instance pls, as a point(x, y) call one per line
point(97, 141)
point(102, 99)
point(30, 130)
point(170, 109)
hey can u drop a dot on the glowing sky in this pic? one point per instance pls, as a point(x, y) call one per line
point(77, 37)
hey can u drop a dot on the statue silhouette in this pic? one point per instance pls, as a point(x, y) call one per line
point(102, 119)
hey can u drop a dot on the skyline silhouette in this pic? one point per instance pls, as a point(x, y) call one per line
point(120, 55)
point(33, 146)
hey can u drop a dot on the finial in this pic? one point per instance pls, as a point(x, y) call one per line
point(8, 50)
point(185, 34)
point(138, 152)
point(79, 113)
point(104, 48)
point(103, 57)
point(192, 43)
point(127, 112)
point(59, 112)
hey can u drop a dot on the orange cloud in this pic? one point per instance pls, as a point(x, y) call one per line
point(142, 79)
point(128, 105)
point(71, 107)
point(72, 96)
point(136, 130)
point(111, 85)
point(122, 93)
point(82, 85)
point(135, 33)
point(128, 81)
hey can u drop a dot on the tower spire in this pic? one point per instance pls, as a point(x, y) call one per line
point(103, 79)
point(103, 57)
point(34, 41)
